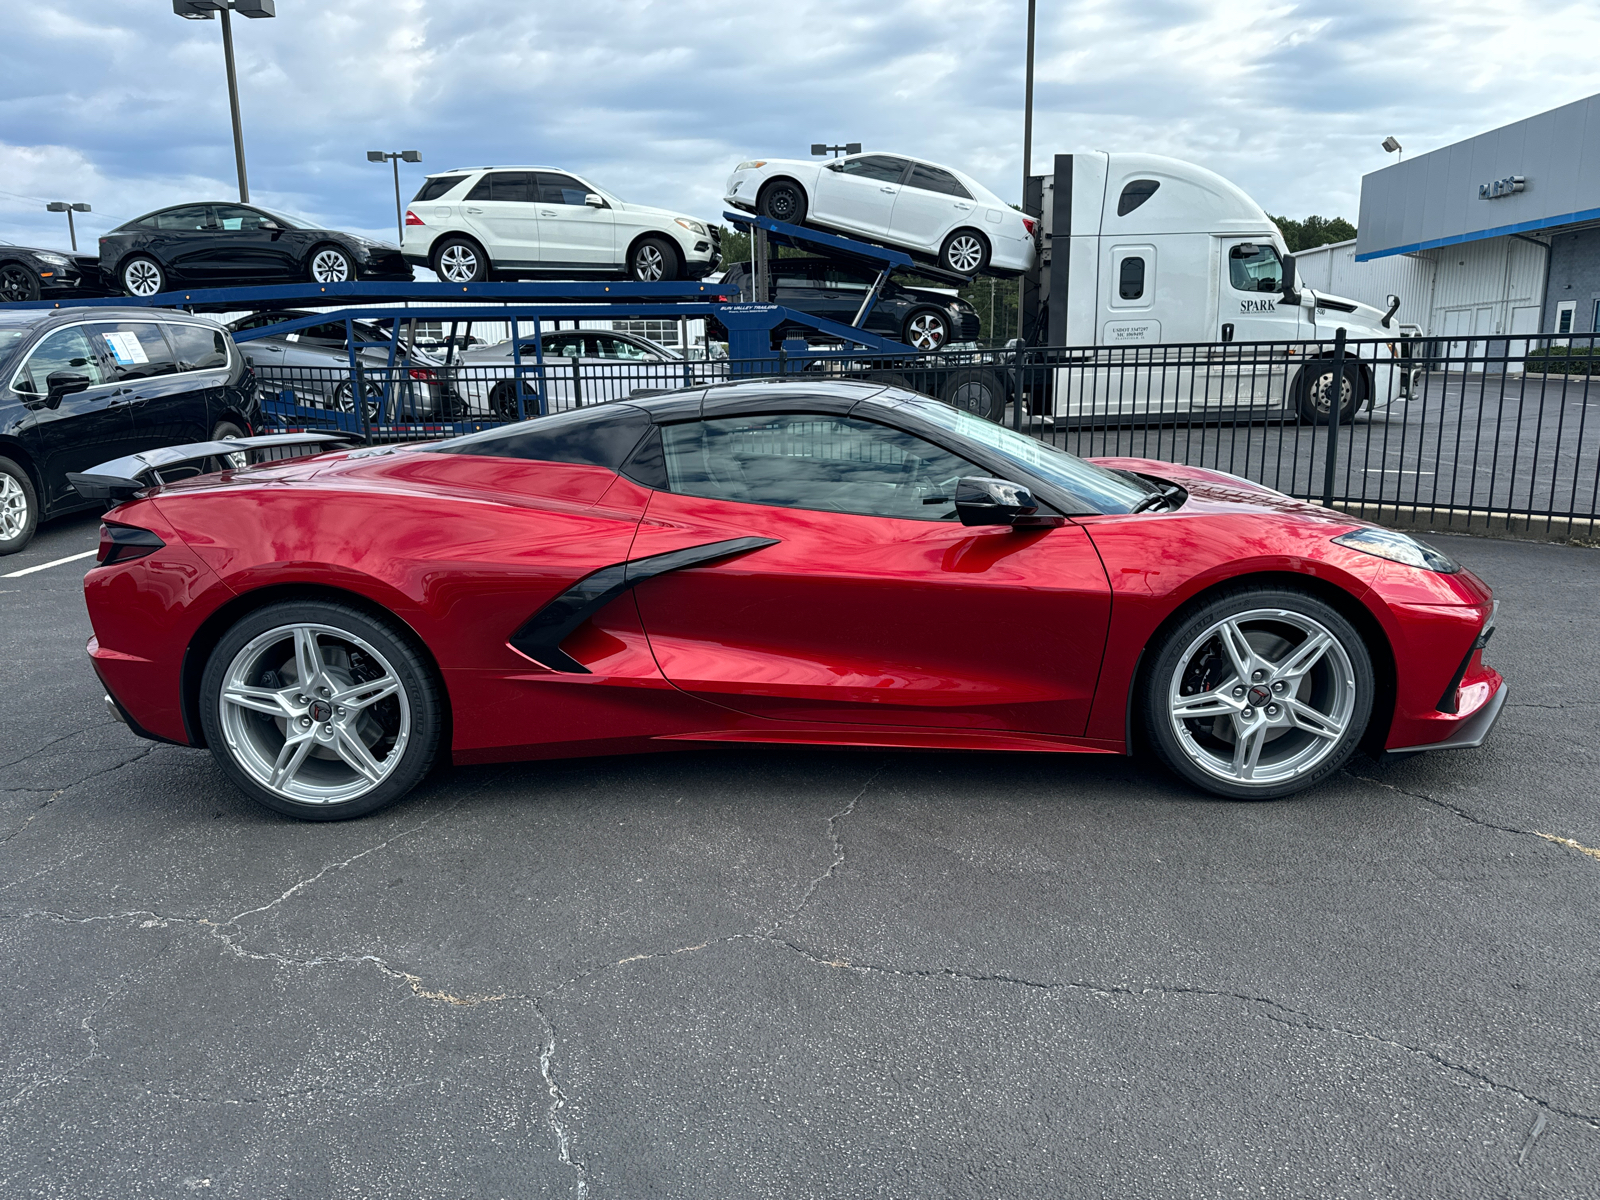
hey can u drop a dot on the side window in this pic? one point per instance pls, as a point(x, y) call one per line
point(1130, 278)
point(136, 349)
point(433, 188)
point(331, 334)
point(515, 187)
point(1135, 194)
point(567, 346)
point(932, 179)
point(198, 347)
point(64, 350)
point(615, 347)
point(836, 279)
point(814, 461)
point(1255, 268)
point(190, 218)
point(882, 167)
point(235, 216)
point(560, 189)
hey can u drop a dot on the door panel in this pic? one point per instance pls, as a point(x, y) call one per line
point(880, 621)
point(500, 209)
point(931, 203)
point(861, 194)
point(573, 232)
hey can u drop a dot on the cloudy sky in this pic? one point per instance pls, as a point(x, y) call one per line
point(122, 104)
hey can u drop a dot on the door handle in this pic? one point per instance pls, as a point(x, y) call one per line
point(963, 207)
point(476, 211)
point(1227, 332)
point(545, 212)
point(888, 187)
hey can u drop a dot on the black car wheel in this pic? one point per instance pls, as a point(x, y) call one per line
point(927, 329)
point(1313, 390)
point(371, 393)
point(319, 710)
point(783, 200)
point(19, 507)
point(17, 284)
point(458, 260)
point(652, 261)
point(964, 252)
point(331, 265)
point(976, 391)
point(143, 276)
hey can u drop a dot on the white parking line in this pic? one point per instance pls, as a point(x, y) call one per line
point(46, 566)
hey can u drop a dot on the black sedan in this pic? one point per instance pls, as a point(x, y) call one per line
point(30, 274)
point(926, 318)
point(221, 244)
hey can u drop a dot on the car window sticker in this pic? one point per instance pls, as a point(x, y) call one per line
point(125, 346)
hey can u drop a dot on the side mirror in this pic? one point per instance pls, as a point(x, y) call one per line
point(985, 501)
point(63, 383)
point(1394, 307)
point(1291, 295)
point(595, 200)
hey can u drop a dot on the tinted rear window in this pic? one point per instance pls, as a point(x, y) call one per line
point(199, 347)
point(594, 437)
point(433, 188)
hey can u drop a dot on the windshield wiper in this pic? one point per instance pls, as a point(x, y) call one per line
point(1169, 494)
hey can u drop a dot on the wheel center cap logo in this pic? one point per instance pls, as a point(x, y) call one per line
point(1259, 695)
point(321, 711)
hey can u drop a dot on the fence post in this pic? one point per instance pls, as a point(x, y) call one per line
point(1335, 412)
point(358, 393)
point(1016, 393)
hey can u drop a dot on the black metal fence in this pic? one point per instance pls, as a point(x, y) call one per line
point(1465, 434)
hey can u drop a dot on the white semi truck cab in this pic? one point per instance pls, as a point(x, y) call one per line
point(1144, 250)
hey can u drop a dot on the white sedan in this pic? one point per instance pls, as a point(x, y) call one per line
point(903, 202)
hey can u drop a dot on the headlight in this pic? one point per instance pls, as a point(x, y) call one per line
point(1398, 547)
point(53, 259)
point(692, 226)
point(751, 165)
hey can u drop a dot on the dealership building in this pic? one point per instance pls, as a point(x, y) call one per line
point(1492, 236)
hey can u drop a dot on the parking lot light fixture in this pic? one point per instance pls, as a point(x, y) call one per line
point(204, 10)
point(397, 157)
point(1391, 146)
point(819, 149)
point(69, 209)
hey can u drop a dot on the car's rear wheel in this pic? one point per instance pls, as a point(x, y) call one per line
point(19, 507)
point(1258, 693)
point(978, 392)
point(964, 252)
point(319, 710)
point(331, 265)
point(926, 329)
point(18, 285)
point(371, 395)
point(458, 260)
point(143, 276)
point(653, 260)
point(783, 200)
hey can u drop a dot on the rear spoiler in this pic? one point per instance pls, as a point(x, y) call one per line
point(122, 477)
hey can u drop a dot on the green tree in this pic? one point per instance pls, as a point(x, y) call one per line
point(1313, 231)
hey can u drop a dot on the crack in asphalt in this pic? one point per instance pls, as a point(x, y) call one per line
point(57, 793)
point(838, 853)
point(38, 1084)
point(1471, 818)
point(37, 750)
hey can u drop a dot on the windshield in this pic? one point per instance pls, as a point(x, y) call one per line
point(1105, 490)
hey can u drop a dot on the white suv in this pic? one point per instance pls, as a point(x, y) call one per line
point(477, 223)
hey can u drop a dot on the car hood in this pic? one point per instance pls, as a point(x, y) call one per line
point(1219, 490)
point(645, 210)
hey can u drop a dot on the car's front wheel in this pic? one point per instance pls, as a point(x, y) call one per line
point(783, 200)
point(1258, 693)
point(143, 276)
point(653, 260)
point(19, 507)
point(331, 265)
point(458, 260)
point(17, 284)
point(319, 710)
point(964, 252)
point(926, 329)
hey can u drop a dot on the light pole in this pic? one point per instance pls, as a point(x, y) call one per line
point(397, 157)
point(819, 149)
point(69, 209)
point(202, 10)
point(1027, 111)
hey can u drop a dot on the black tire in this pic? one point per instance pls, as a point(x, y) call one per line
point(460, 260)
point(503, 402)
point(1192, 666)
point(330, 264)
point(654, 260)
point(965, 251)
point(981, 393)
point(783, 200)
point(353, 647)
point(226, 429)
point(1313, 387)
point(142, 276)
point(19, 507)
point(18, 284)
point(371, 393)
point(926, 329)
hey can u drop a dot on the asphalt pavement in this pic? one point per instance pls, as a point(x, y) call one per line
point(803, 973)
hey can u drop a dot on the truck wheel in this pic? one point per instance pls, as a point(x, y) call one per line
point(978, 392)
point(783, 200)
point(1313, 389)
point(19, 507)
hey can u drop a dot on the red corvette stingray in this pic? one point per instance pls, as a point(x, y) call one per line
point(785, 562)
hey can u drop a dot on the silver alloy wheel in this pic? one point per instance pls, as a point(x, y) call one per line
point(13, 508)
point(964, 254)
point(928, 331)
point(142, 277)
point(649, 264)
point(301, 720)
point(330, 266)
point(458, 263)
point(1262, 697)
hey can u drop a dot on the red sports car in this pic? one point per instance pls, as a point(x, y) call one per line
point(832, 564)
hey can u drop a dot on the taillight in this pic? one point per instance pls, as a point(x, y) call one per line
point(413, 219)
point(420, 373)
point(123, 543)
point(1030, 225)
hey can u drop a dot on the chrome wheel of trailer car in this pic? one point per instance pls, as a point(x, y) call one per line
point(314, 714)
point(371, 397)
point(927, 330)
point(142, 277)
point(329, 265)
point(16, 508)
point(649, 264)
point(458, 261)
point(964, 253)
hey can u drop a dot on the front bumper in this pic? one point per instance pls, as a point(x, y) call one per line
point(1469, 733)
